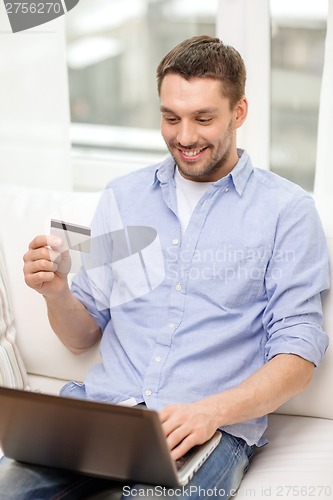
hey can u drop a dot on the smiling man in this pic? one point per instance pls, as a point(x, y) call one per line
point(198, 126)
point(202, 104)
point(232, 328)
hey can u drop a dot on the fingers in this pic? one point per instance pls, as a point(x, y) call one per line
point(43, 253)
point(182, 429)
point(44, 258)
point(186, 425)
point(44, 241)
point(180, 445)
point(57, 251)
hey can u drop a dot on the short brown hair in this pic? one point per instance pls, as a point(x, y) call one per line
point(206, 56)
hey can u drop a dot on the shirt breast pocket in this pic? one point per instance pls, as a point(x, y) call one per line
point(236, 277)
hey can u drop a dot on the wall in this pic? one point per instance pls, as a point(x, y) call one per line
point(237, 22)
point(34, 118)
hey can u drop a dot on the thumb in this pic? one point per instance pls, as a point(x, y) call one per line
point(64, 261)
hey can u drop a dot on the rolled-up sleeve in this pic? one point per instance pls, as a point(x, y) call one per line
point(84, 290)
point(93, 283)
point(297, 275)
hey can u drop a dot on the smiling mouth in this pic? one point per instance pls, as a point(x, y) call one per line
point(191, 155)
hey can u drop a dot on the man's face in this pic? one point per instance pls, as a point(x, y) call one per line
point(198, 127)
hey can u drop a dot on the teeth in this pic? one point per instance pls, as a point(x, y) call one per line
point(191, 153)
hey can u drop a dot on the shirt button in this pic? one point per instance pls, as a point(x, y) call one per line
point(178, 287)
point(175, 241)
point(148, 392)
point(171, 326)
point(157, 359)
point(227, 189)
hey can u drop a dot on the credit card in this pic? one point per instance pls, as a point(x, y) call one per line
point(74, 236)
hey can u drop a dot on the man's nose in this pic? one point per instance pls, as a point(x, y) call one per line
point(187, 134)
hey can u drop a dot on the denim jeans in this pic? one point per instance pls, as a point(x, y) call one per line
point(219, 477)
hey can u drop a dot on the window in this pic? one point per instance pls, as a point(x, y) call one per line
point(114, 47)
point(297, 56)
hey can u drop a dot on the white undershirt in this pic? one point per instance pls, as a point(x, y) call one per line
point(188, 195)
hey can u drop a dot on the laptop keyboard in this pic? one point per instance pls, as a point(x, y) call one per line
point(185, 458)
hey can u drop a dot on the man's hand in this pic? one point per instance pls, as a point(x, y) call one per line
point(281, 378)
point(186, 425)
point(46, 265)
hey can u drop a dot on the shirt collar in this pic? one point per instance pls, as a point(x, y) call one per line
point(240, 173)
point(164, 171)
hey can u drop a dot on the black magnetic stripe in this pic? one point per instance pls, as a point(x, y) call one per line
point(74, 228)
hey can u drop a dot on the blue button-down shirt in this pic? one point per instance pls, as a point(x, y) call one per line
point(188, 316)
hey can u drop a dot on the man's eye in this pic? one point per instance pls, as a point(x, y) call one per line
point(204, 121)
point(170, 119)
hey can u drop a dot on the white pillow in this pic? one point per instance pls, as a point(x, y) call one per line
point(25, 213)
point(12, 371)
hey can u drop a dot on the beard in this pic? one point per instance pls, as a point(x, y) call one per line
point(205, 169)
point(208, 170)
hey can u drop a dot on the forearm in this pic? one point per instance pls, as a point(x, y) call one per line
point(72, 323)
point(280, 379)
point(188, 424)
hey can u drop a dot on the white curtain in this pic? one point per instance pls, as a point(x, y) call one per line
point(34, 110)
point(324, 166)
point(245, 24)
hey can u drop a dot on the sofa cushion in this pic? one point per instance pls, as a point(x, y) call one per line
point(25, 213)
point(12, 371)
point(316, 401)
point(297, 462)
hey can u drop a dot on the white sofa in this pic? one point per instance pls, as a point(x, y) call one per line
point(297, 462)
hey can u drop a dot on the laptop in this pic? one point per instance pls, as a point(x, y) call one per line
point(99, 439)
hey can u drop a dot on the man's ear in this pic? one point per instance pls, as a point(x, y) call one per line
point(240, 112)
